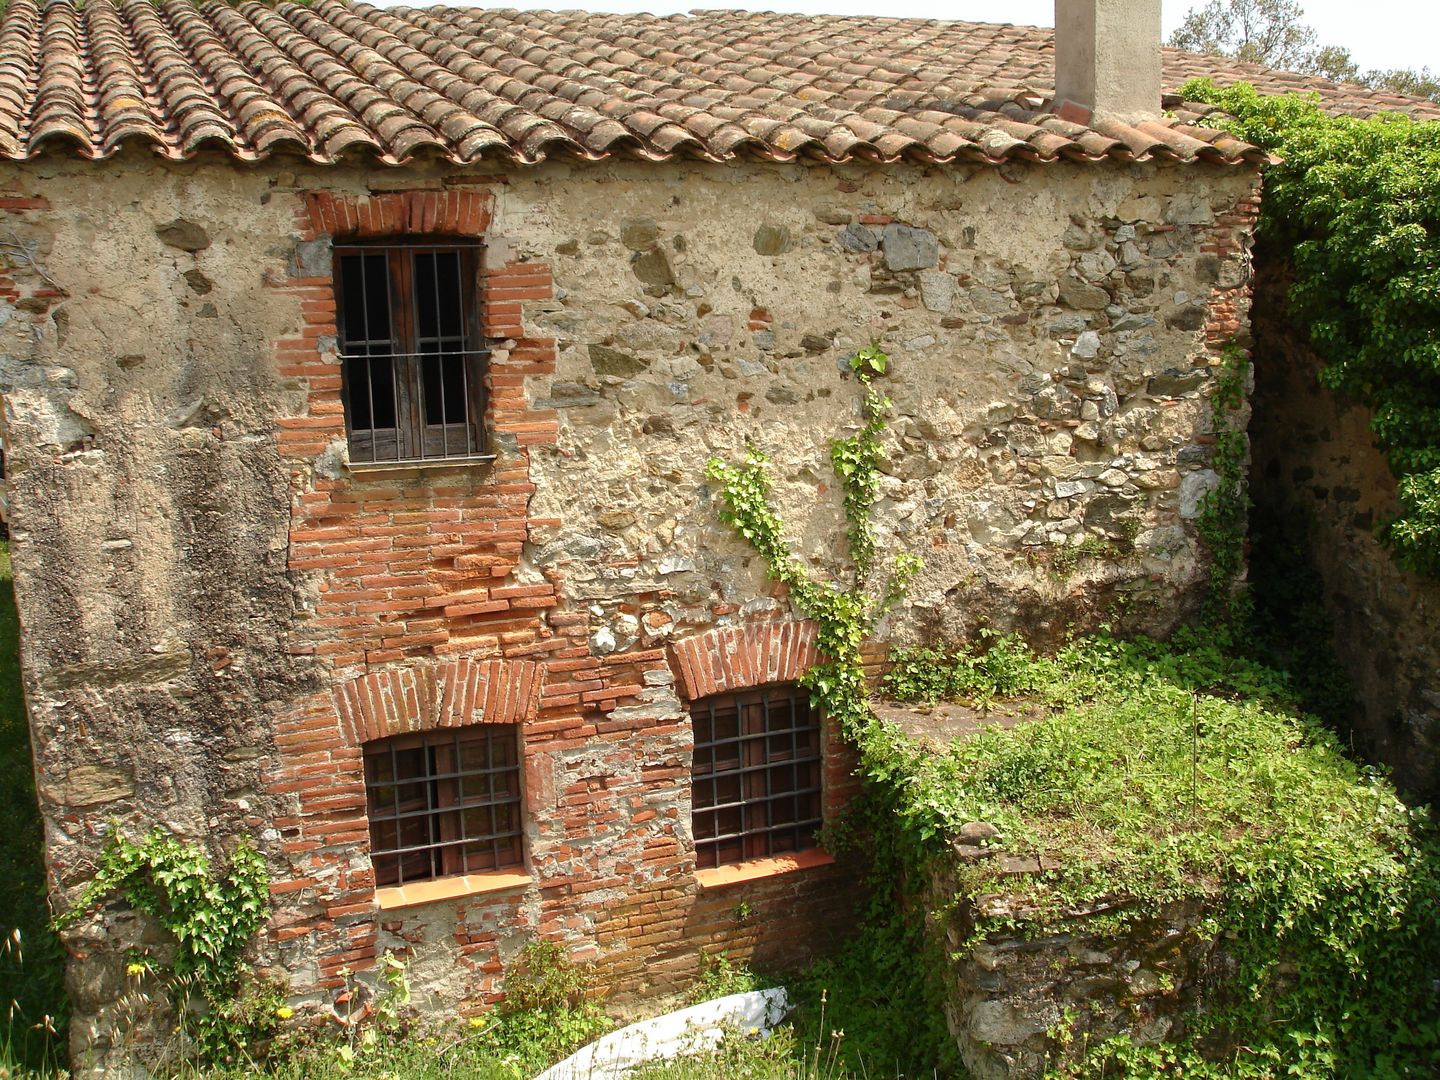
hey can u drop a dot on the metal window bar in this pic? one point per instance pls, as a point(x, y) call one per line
point(756, 775)
point(414, 842)
point(412, 372)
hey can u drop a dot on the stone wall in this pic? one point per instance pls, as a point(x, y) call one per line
point(209, 592)
point(1322, 489)
point(1023, 1004)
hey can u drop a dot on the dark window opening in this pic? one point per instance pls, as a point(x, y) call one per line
point(408, 322)
point(443, 803)
point(755, 775)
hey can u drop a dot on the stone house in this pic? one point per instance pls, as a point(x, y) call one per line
point(360, 367)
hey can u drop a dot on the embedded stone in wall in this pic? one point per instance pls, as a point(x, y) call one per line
point(89, 785)
point(771, 240)
point(183, 234)
point(909, 248)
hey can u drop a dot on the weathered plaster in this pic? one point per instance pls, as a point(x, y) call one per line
point(197, 569)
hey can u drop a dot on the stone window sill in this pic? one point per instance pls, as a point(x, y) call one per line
point(449, 888)
point(366, 467)
point(716, 877)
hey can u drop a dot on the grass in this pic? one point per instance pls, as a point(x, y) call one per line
point(31, 961)
point(1185, 771)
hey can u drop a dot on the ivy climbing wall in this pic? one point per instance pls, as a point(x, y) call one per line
point(1322, 489)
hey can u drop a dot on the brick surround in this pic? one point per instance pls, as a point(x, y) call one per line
point(734, 657)
point(440, 694)
point(416, 611)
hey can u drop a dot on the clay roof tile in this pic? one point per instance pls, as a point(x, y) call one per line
point(341, 78)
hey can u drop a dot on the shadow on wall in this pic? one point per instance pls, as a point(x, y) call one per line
point(1326, 589)
point(32, 965)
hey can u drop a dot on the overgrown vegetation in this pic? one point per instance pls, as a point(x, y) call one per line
point(211, 917)
point(1355, 205)
point(31, 961)
point(1179, 770)
point(1160, 772)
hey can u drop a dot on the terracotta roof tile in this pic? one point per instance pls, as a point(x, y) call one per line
point(334, 79)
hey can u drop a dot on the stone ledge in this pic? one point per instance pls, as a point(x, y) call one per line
point(716, 877)
point(450, 888)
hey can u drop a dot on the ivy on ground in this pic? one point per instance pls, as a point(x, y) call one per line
point(1356, 205)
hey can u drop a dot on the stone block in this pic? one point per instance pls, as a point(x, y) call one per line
point(909, 248)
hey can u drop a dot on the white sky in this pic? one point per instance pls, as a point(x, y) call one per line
point(1378, 33)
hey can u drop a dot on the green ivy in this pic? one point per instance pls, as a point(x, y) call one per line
point(211, 917)
point(1225, 508)
point(856, 461)
point(844, 613)
point(1356, 206)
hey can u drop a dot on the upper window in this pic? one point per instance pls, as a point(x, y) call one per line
point(444, 802)
point(413, 372)
point(756, 775)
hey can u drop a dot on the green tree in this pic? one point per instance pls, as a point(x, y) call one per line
point(1274, 33)
point(1269, 32)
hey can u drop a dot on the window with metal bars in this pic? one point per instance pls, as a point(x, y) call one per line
point(444, 802)
point(755, 779)
point(413, 369)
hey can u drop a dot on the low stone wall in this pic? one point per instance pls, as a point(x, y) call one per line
point(1024, 1002)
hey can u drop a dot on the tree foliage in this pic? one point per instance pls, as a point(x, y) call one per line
point(1273, 33)
point(1266, 32)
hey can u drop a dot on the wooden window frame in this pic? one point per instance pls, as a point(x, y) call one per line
point(429, 807)
point(414, 440)
point(742, 775)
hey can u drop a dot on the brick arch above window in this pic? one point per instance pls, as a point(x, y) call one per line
point(735, 657)
point(398, 213)
point(440, 694)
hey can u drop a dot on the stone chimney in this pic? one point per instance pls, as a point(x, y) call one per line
point(1107, 60)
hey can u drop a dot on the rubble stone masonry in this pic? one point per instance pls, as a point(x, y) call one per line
point(219, 610)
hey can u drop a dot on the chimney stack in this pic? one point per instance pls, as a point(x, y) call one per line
point(1107, 60)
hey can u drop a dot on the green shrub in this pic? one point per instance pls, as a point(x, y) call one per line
point(1167, 772)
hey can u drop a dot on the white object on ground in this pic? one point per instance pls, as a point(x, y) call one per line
point(688, 1031)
